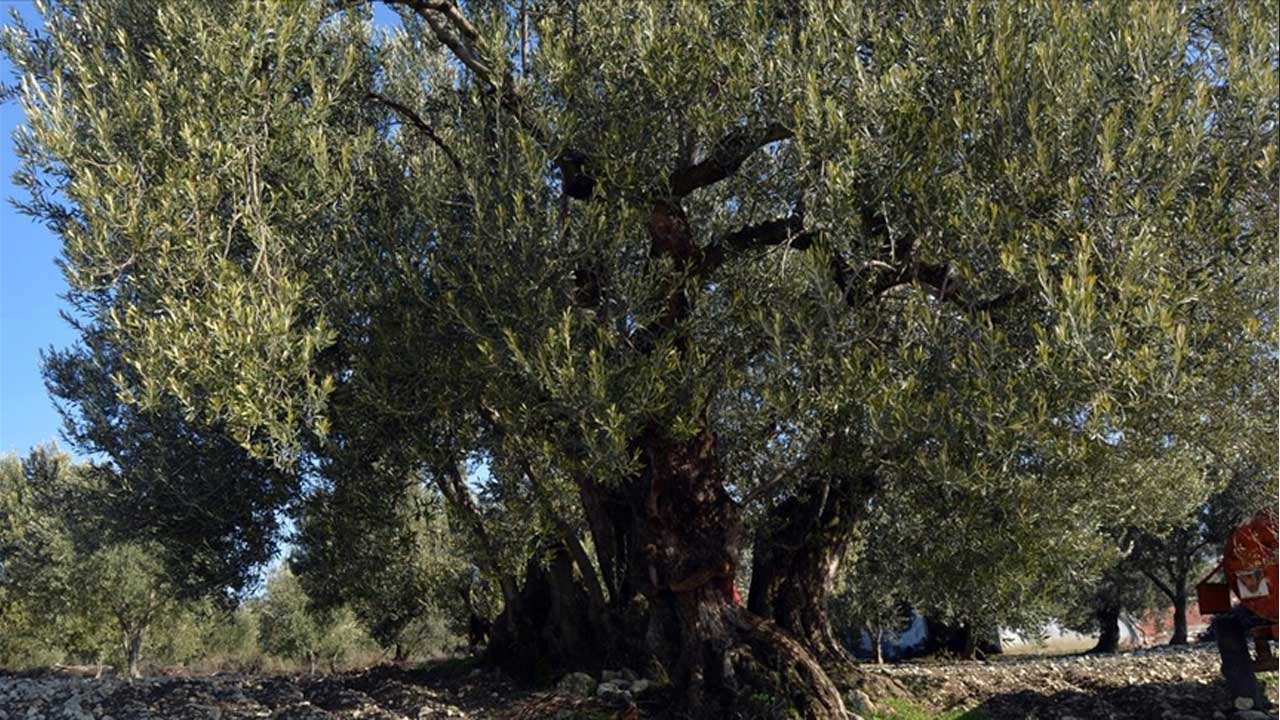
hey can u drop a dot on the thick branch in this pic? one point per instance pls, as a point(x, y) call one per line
point(726, 158)
point(1160, 584)
point(454, 488)
point(936, 278)
point(463, 44)
point(789, 231)
point(455, 31)
point(880, 276)
point(570, 538)
point(446, 8)
point(461, 48)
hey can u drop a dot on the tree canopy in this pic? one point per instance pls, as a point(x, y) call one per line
point(675, 281)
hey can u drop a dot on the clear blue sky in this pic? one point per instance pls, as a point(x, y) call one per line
point(30, 289)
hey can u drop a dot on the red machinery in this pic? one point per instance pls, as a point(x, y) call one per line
point(1249, 564)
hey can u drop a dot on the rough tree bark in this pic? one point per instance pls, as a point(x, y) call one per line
point(548, 629)
point(133, 639)
point(797, 554)
point(454, 489)
point(1108, 630)
point(690, 536)
point(1174, 587)
point(133, 628)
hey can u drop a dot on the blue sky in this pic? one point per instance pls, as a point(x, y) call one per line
point(30, 289)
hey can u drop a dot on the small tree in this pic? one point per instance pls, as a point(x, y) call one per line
point(290, 627)
point(128, 581)
point(1122, 591)
point(210, 510)
point(61, 564)
point(1173, 557)
point(34, 625)
point(385, 549)
point(285, 626)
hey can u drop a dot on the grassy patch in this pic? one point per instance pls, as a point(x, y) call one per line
point(899, 709)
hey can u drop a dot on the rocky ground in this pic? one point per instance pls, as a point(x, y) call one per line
point(378, 694)
point(1157, 685)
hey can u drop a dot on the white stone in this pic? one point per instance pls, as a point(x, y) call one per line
point(859, 702)
point(578, 683)
point(613, 695)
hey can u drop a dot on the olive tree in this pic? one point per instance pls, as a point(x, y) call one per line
point(290, 626)
point(689, 276)
point(210, 509)
point(384, 548)
point(87, 594)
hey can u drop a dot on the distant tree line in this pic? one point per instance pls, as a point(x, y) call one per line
point(72, 591)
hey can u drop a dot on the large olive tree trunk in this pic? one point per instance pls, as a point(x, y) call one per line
point(667, 542)
point(672, 561)
point(797, 555)
point(718, 651)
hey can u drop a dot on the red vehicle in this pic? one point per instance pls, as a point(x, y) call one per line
point(1247, 575)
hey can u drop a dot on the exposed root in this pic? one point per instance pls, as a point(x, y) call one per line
point(781, 670)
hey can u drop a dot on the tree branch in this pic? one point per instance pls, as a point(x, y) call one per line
point(937, 278)
point(782, 231)
point(450, 11)
point(1160, 584)
point(416, 120)
point(884, 276)
point(462, 38)
point(726, 158)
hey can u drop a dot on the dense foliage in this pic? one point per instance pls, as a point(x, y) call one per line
point(70, 594)
point(638, 288)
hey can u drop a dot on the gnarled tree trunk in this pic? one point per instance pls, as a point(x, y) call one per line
point(548, 628)
point(719, 652)
point(667, 542)
point(133, 651)
point(797, 555)
point(688, 533)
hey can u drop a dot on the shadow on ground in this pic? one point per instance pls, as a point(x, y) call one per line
point(1149, 701)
